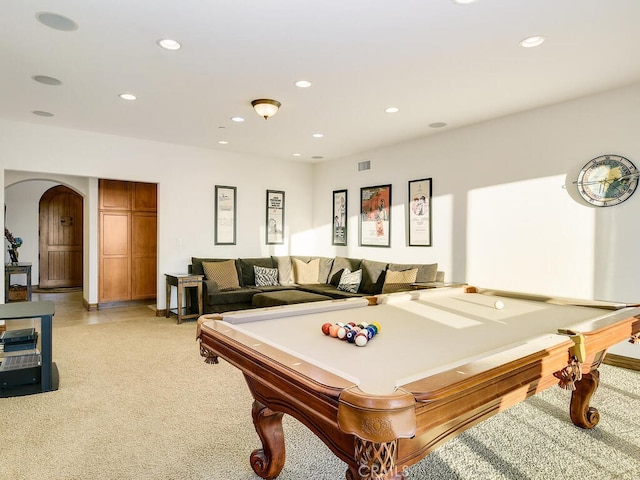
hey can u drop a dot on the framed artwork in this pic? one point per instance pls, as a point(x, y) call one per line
point(339, 219)
point(375, 216)
point(419, 213)
point(275, 217)
point(225, 221)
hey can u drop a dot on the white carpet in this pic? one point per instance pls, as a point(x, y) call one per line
point(136, 401)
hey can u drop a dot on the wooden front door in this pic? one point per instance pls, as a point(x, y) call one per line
point(60, 238)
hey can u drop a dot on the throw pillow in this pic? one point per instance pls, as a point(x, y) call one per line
point(396, 281)
point(305, 273)
point(427, 272)
point(223, 273)
point(350, 281)
point(265, 277)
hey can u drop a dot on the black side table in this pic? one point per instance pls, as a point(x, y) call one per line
point(49, 372)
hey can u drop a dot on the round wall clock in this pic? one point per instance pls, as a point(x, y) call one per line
point(607, 180)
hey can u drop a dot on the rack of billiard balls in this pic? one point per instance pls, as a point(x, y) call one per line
point(358, 334)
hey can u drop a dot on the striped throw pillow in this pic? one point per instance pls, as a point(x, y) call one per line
point(350, 281)
point(265, 277)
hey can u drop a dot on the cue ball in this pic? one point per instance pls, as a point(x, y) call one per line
point(499, 305)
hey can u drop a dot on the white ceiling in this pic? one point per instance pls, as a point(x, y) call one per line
point(434, 60)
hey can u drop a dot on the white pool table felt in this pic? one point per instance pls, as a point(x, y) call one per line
point(423, 333)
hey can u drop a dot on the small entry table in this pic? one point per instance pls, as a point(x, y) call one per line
point(23, 268)
point(182, 281)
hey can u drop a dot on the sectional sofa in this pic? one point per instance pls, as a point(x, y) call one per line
point(242, 283)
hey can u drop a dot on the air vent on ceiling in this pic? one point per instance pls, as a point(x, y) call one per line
point(366, 165)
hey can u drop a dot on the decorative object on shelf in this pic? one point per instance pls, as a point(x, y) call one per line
point(265, 107)
point(275, 217)
point(225, 227)
point(419, 213)
point(375, 216)
point(14, 244)
point(607, 180)
point(339, 222)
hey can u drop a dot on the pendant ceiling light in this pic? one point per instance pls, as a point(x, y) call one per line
point(265, 107)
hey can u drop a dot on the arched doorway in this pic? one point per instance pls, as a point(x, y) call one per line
point(60, 232)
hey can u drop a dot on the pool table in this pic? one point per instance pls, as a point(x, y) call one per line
point(443, 360)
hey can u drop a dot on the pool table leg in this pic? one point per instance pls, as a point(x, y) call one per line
point(375, 461)
point(581, 413)
point(268, 461)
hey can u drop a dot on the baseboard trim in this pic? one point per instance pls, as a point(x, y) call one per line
point(90, 307)
point(622, 361)
point(123, 303)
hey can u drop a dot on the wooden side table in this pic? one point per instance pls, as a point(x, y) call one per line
point(16, 269)
point(183, 307)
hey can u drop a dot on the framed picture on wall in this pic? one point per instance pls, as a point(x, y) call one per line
point(375, 216)
point(339, 219)
point(419, 214)
point(275, 217)
point(225, 211)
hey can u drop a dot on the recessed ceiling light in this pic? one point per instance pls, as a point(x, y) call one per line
point(391, 110)
point(303, 84)
point(127, 96)
point(296, 154)
point(57, 22)
point(46, 80)
point(40, 113)
point(237, 119)
point(317, 157)
point(437, 124)
point(531, 42)
point(318, 135)
point(463, 2)
point(168, 44)
point(223, 142)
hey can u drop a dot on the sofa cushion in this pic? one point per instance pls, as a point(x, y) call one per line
point(242, 295)
point(397, 281)
point(339, 264)
point(285, 269)
point(372, 276)
point(224, 274)
point(265, 277)
point(275, 288)
point(286, 297)
point(247, 275)
point(328, 290)
point(350, 281)
point(426, 272)
point(305, 273)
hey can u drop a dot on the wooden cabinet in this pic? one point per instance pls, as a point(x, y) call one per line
point(128, 241)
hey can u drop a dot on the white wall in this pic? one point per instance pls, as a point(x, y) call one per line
point(501, 218)
point(500, 215)
point(186, 178)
